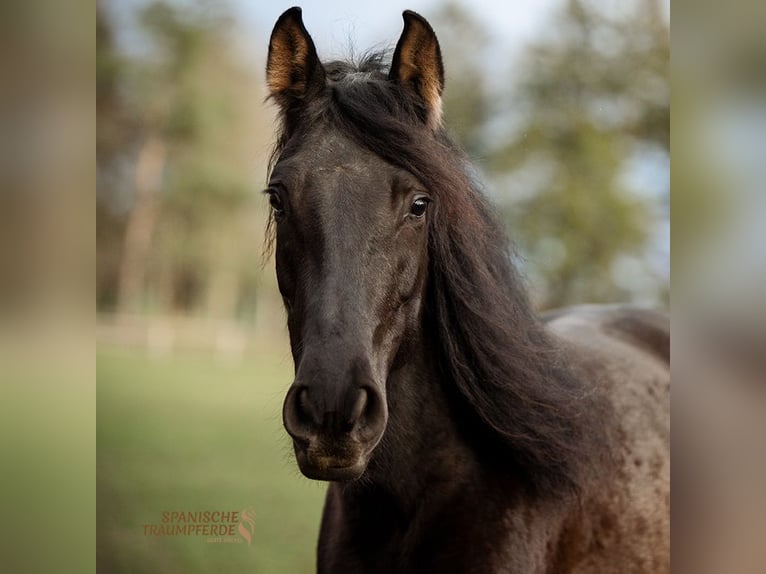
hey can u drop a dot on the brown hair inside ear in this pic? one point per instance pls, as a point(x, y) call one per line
point(417, 64)
point(293, 69)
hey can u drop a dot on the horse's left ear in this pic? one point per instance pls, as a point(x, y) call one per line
point(417, 65)
point(293, 70)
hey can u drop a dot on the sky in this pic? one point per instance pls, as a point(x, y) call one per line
point(332, 23)
point(336, 25)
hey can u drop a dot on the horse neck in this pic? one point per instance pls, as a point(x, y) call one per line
point(429, 476)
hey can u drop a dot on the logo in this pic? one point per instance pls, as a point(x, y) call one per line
point(216, 526)
point(246, 525)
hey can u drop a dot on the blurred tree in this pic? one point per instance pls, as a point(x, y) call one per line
point(181, 132)
point(116, 129)
point(584, 101)
point(186, 195)
point(466, 104)
point(589, 98)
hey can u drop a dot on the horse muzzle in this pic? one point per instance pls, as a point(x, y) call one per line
point(334, 433)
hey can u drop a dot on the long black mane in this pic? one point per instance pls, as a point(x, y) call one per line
point(494, 353)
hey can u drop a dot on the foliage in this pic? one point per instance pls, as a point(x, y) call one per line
point(182, 141)
point(589, 97)
point(185, 101)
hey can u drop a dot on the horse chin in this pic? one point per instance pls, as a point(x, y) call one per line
point(330, 468)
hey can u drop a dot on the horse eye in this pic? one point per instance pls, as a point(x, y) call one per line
point(419, 206)
point(276, 202)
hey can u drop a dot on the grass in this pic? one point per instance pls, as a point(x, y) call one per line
point(189, 432)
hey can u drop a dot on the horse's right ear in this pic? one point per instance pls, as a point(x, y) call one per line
point(293, 72)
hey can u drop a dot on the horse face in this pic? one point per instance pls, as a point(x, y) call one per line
point(351, 245)
point(351, 260)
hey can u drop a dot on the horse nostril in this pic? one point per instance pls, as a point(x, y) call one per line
point(372, 413)
point(359, 413)
point(297, 412)
point(302, 406)
point(358, 407)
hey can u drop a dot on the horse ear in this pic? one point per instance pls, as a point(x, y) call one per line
point(417, 64)
point(293, 70)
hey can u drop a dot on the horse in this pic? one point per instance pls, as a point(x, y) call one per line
point(459, 431)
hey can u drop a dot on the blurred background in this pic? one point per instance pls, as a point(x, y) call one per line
point(564, 106)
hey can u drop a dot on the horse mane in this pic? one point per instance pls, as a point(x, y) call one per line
point(494, 353)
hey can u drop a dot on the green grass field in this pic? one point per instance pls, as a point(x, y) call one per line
point(190, 432)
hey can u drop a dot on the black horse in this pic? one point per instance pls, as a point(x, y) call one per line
point(459, 432)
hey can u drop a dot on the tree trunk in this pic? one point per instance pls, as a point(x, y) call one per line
point(141, 223)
